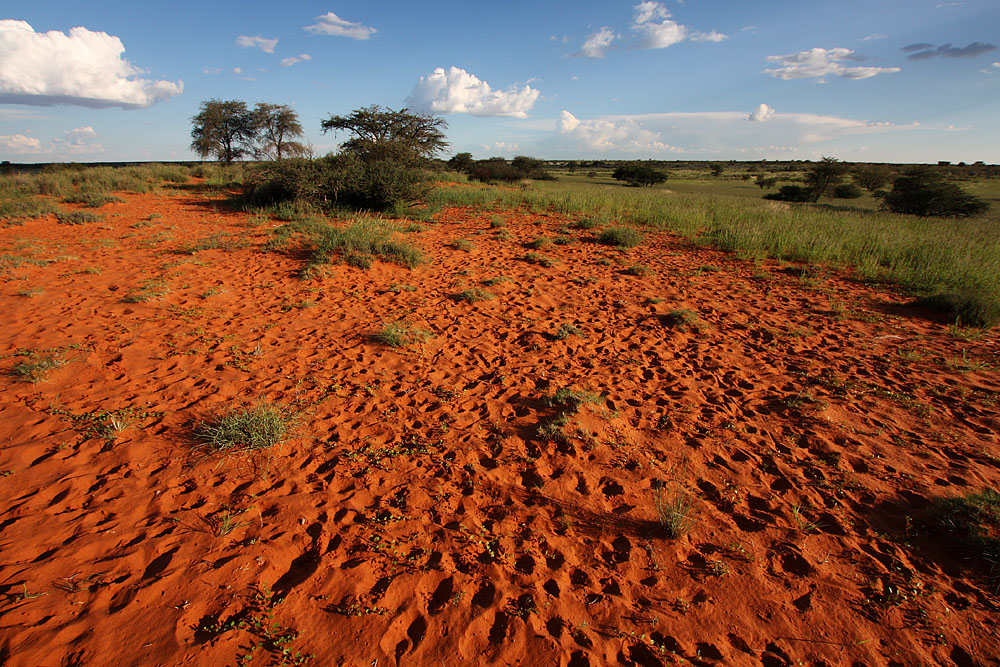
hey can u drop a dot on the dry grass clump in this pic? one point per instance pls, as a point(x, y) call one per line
point(244, 429)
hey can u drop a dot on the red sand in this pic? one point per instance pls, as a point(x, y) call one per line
point(417, 517)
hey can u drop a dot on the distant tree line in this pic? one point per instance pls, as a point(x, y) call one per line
point(500, 170)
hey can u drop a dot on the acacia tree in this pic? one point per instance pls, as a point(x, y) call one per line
point(225, 129)
point(827, 173)
point(275, 127)
point(380, 133)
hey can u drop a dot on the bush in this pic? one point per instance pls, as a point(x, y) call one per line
point(346, 180)
point(245, 429)
point(795, 193)
point(639, 175)
point(924, 192)
point(847, 191)
point(621, 237)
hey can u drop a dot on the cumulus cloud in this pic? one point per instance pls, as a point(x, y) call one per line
point(923, 51)
point(291, 60)
point(331, 24)
point(456, 91)
point(82, 67)
point(818, 63)
point(653, 27)
point(763, 112)
point(262, 43)
point(19, 144)
point(708, 133)
point(599, 43)
point(78, 141)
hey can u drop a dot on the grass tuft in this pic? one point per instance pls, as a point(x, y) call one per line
point(620, 237)
point(967, 307)
point(683, 319)
point(244, 429)
point(474, 294)
point(36, 366)
point(975, 520)
point(400, 334)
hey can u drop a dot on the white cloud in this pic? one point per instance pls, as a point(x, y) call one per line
point(262, 43)
point(708, 133)
point(78, 141)
point(655, 28)
point(500, 147)
point(83, 68)
point(19, 144)
point(456, 91)
point(211, 70)
point(81, 140)
point(818, 63)
point(599, 43)
point(291, 60)
point(620, 134)
point(761, 113)
point(331, 24)
point(712, 36)
point(992, 69)
point(869, 38)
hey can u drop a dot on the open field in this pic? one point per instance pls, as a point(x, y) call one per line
point(492, 435)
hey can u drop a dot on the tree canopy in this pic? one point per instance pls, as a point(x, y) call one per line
point(380, 132)
point(923, 191)
point(224, 129)
point(276, 125)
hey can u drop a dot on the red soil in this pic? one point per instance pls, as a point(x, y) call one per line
point(417, 516)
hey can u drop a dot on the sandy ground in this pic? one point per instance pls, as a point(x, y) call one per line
point(433, 507)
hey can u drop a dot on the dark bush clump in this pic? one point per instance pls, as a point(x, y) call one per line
point(968, 307)
point(639, 175)
point(924, 192)
point(847, 191)
point(795, 193)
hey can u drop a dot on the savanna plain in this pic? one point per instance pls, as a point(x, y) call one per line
point(555, 423)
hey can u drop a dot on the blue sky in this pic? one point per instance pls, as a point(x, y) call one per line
point(890, 80)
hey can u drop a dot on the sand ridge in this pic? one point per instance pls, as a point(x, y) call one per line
point(436, 505)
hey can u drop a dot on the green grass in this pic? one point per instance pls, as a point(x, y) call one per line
point(620, 237)
point(150, 290)
point(566, 330)
point(572, 399)
point(463, 245)
point(77, 217)
point(364, 241)
point(400, 334)
point(91, 199)
point(674, 510)
point(541, 260)
point(36, 366)
point(638, 270)
point(474, 294)
point(244, 429)
point(974, 519)
point(682, 319)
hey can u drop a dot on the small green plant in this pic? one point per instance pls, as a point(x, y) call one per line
point(31, 291)
point(585, 223)
point(620, 237)
point(674, 510)
point(244, 429)
point(541, 260)
point(638, 270)
point(474, 294)
point(399, 334)
point(572, 399)
point(152, 289)
point(683, 319)
point(566, 330)
point(463, 244)
point(36, 366)
point(496, 280)
point(539, 243)
point(496, 222)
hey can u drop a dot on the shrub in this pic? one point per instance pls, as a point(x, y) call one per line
point(35, 367)
point(924, 192)
point(639, 175)
point(91, 199)
point(359, 244)
point(796, 193)
point(847, 191)
point(621, 237)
